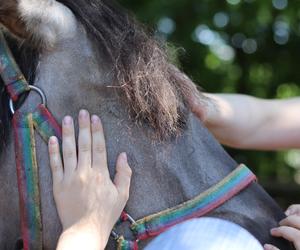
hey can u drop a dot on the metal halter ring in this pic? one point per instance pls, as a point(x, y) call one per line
point(31, 87)
point(114, 234)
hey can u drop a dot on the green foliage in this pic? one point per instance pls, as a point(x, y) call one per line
point(236, 46)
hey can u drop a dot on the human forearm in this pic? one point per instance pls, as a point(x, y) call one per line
point(233, 118)
point(247, 122)
point(281, 129)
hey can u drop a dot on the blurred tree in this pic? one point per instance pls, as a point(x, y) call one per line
point(237, 46)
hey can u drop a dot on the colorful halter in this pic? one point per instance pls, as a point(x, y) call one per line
point(26, 163)
point(14, 80)
point(27, 170)
point(201, 205)
point(28, 178)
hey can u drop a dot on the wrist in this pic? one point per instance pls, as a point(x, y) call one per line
point(82, 236)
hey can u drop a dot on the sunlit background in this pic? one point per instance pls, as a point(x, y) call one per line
point(237, 46)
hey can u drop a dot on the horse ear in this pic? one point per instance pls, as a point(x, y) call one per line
point(10, 18)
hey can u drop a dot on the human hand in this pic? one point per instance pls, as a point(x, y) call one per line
point(201, 107)
point(88, 202)
point(289, 228)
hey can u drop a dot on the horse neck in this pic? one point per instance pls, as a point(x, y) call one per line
point(73, 76)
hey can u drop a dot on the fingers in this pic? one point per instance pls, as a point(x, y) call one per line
point(69, 146)
point(291, 221)
point(84, 141)
point(99, 148)
point(55, 161)
point(123, 176)
point(197, 108)
point(288, 233)
point(293, 209)
point(270, 247)
point(289, 228)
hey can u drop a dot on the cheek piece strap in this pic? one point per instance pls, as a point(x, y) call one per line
point(24, 126)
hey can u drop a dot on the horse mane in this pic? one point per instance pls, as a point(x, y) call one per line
point(155, 91)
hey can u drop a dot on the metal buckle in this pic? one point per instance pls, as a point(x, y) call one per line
point(114, 234)
point(34, 88)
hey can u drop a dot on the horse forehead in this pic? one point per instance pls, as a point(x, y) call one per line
point(77, 47)
point(73, 62)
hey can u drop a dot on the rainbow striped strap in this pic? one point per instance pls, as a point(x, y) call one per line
point(14, 80)
point(27, 171)
point(46, 124)
point(204, 203)
point(201, 205)
point(28, 182)
point(123, 244)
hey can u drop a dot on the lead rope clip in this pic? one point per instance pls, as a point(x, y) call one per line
point(122, 243)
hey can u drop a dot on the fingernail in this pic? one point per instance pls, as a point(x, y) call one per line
point(68, 120)
point(268, 247)
point(83, 113)
point(124, 157)
point(53, 140)
point(288, 212)
point(95, 119)
point(273, 230)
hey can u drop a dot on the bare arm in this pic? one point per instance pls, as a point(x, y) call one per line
point(247, 122)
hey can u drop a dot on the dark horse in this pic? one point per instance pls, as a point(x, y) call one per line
point(91, 54)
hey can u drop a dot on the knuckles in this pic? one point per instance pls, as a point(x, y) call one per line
point(55, 167)
point(99, 177)
point(99, 148)
point(85, 148)
point(82, 179)
point(68, 154)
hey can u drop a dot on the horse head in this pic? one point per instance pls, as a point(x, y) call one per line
point(93, 54)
